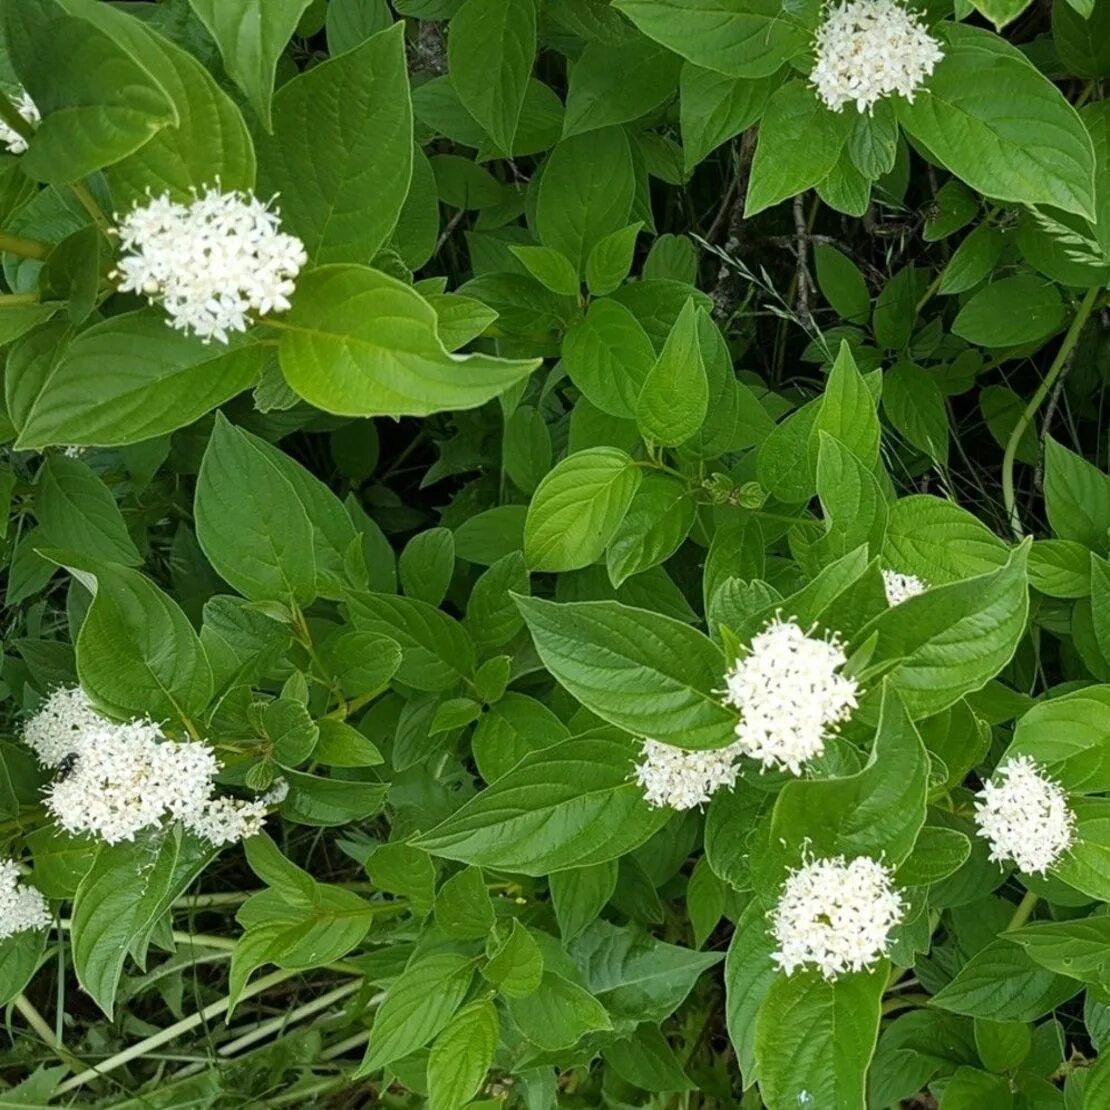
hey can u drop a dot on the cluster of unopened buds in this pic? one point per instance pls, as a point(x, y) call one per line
point(115, 779)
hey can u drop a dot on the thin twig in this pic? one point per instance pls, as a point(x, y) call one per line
point(725, 293)
point(1046, 421)
point(801, 249)
point(452, 223)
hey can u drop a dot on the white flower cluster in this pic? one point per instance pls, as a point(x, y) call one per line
point(215, 263)
point(683, 779)
point(57, 730)
point(901, 587)
point(116, 779)
point(790, 695)
point(13, 141)
point(869, 49)
point(1025, 816)
point(21, 907)
point(835, 916)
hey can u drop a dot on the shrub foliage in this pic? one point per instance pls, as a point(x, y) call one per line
point(600, 597)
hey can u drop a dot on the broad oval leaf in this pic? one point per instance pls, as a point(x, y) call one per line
point(646, 673)
point(360, 343)
point(340, 156)
point(570, 805)
point(578, 507)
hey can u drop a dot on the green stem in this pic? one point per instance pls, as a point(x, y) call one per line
point(88, 202)
point(172, 1032)
point(40, 1025)
point(904, 1002)
point(8, 299)
point(1023, 912)
point(1058, 364)
point(25, 248)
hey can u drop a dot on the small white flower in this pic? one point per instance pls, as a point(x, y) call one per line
point(869, 49)
point(835, 916)
point(215, 264)
point(901, 587)
point(683, 779)
point(13, 141)
point(227, 820)
point(790, 695)
point(59, 726)
point(1025, 816)
point(21, 907)
point(128, 777)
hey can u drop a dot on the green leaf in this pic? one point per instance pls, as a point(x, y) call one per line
point(513, 727)
point(1002, 983)
point(359, 343)
point(610, 260)
point(137, 653)
point(559, 1014)
point(841, 283)
point(646, 1060)
point(340, 155)
point(1083, 44)
point(515, 964)
point(877, 812)
point(814, 1039)
point(847, 410)
point(852, 500)
point(108, 104)
point(750, 39)
point(131, 378)
point(77, 511)
point(658, 520)
point(914, 404)
point(526, 449)
point(939, 541)
point(326, 803)
point(1011, 312)
point(992, 119)
point(608, 356)
point(799, 145)
point(127, 889)
point(674, 398)
point(951, 640)
point(580, 894)
point(490, 51)
point(461, 1056)
point(351, 22)
point(636, 976)
point(646, 673)
point(427, 564)
point(250, 523)
point(549, 267)
point(463, 907)
point(1086, 866)
point(749, 973)
point(714, 107)
point(251, 35)
point(419, 1003)
point(1077, 497)
point(1076, 949)
point(569, 805)
point(611, 83)
point(1070, 737)
point(577, 508)
point(436, 651)
point(585, 193)
point(20, 957)
point(209, 143)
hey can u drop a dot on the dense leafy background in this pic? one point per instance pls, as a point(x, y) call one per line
point(612, 342)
